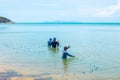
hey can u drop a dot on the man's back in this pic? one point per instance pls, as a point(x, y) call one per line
point(54, 44)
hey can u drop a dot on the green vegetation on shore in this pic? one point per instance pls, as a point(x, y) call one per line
point(5, 20)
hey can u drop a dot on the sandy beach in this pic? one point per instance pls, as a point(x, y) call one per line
point(67, 77)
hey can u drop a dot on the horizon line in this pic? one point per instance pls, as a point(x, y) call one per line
point(67, 22)
point(63, 23)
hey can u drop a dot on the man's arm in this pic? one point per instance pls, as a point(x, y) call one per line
point(70, 55)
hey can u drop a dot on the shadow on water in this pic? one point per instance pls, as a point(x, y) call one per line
point(9, 74)
point(13, 75)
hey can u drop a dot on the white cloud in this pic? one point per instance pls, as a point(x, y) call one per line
point(109, 11)
point(50, 10)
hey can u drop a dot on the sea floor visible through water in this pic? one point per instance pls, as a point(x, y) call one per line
point(25, 55)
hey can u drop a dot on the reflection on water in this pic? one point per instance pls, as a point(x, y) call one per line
point(54, 50)
point(66, 64)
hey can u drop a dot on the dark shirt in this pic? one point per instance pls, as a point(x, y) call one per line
point(55, 44)
point(65, 54)
point(49, 43)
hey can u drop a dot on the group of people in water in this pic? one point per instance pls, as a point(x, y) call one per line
point(55, 44)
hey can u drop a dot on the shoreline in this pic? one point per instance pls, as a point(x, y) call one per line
point(12, 75)
point(66, 77)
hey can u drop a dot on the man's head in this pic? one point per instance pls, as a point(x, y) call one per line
point(65, 48)
point(54, 39)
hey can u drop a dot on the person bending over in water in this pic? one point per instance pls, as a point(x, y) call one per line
point(65, 53)
point(50, 42)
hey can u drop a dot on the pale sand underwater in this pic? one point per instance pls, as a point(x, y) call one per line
point(25, 55)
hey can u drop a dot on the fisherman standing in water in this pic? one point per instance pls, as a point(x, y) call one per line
point(54, 43)
point(50, 42)
point(65, 53)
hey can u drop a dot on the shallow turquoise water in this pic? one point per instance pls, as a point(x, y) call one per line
point(23, 48)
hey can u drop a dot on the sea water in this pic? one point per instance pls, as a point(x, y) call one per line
point(24, 50)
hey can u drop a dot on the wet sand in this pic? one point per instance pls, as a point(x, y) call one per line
point(84, 76)
point(66, 77)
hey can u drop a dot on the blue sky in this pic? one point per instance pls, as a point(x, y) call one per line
point(61, 10)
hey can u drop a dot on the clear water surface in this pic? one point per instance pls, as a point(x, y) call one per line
point(23, 49)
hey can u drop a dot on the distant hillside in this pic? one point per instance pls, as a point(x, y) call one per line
point(5, 20)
